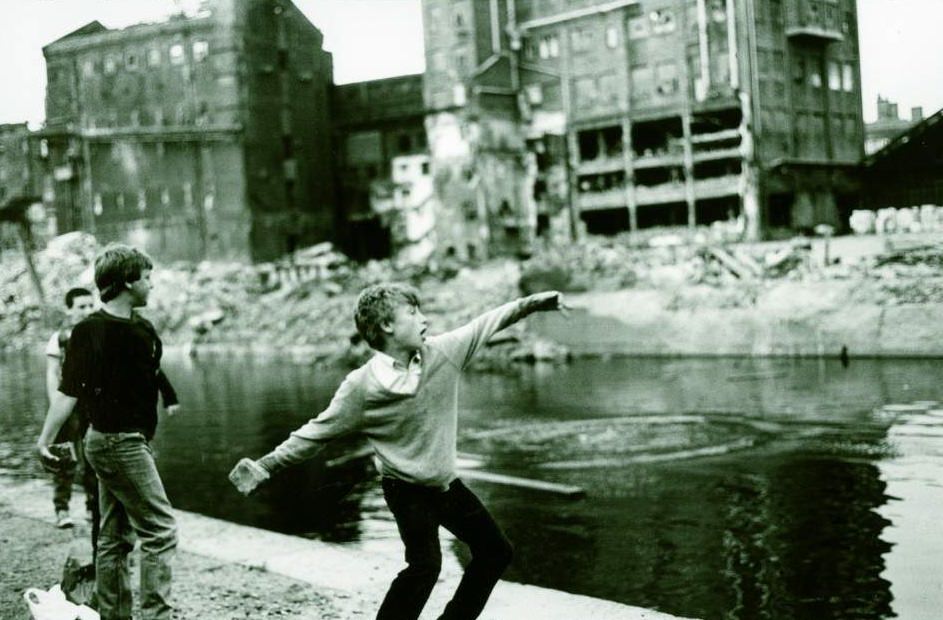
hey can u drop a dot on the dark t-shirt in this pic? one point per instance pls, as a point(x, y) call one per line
point(75, 426)
point(111, 366)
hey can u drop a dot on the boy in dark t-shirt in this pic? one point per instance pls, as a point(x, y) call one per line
point(112, 366)
point(124, 396)
point(79, 305)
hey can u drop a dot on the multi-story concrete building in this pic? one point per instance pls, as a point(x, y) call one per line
point(374, 122)
point(206, 135)
point(626, 114)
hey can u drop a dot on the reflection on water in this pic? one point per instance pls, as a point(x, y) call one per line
point(798, 526)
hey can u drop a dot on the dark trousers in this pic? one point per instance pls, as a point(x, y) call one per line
point(419, 511)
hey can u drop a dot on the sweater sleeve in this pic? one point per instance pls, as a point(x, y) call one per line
point(460, 345)
point(343, 416)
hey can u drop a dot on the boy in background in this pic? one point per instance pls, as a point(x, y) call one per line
point(404, 400)
point(79, 303)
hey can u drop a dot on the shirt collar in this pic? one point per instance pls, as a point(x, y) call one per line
point(391, 362)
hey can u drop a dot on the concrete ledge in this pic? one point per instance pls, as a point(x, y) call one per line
point(339, 568)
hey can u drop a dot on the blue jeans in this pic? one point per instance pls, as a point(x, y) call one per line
point(132, 501)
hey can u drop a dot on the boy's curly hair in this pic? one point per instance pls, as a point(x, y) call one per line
point(376, 305)
point(117, 265)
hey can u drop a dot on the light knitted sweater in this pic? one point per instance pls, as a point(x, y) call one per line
point(413, 435)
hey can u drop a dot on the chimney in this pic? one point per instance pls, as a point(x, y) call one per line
point(916, 114)
point(887, 110)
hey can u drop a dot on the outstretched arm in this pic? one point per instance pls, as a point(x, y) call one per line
point(538, 302)
point(461, 344)
point(342, 416)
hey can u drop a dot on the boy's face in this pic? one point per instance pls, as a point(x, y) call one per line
point(140, 289)
point(82, 306)
point(407, 330)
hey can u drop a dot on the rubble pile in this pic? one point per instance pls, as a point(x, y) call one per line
point(909, 275)
point(302, 303)
point(617, 262)
point(66, 262)
point(714, 275)
point(592, 264)
point(305, 301)
point(242, 305)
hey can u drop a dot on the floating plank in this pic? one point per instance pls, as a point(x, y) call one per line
point(739, 444)
point(469, 461)
point(904, 408)
point(526, 483)
point(360, 453)
point(468, 465)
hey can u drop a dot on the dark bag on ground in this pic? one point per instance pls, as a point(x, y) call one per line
point(78, 582)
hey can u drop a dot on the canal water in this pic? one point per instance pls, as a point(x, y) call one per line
point(714, 488)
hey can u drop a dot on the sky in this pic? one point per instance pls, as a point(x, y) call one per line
point(901, 44)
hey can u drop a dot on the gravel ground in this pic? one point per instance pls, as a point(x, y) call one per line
point(32, 554)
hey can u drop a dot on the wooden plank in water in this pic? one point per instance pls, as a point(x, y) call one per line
point(468, 464)
point(360, 453)
point(526, 483)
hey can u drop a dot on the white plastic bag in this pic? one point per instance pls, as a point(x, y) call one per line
point(52, 605)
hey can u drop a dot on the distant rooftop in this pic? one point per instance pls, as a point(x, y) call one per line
point(95, 32)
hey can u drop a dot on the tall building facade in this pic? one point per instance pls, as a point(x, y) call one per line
point(627, 114)
point(204, 136)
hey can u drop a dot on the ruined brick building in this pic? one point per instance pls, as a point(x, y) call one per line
point(627, 114)
point(221, 135)
point(206, 135)
point(375, 122)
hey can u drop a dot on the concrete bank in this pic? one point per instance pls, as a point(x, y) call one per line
point(790, 319)
point(348, 582)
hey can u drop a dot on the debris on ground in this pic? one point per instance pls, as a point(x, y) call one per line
point(304, 301)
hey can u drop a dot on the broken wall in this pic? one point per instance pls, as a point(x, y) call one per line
point(478, 176)
point(176, 200)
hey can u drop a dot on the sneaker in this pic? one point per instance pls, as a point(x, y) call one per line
point(63, 520)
